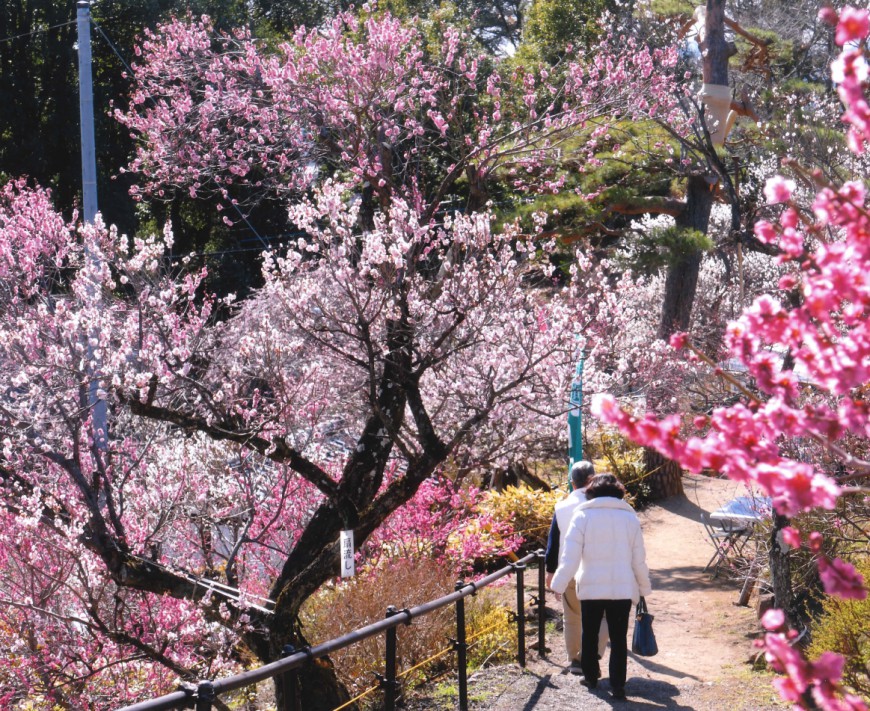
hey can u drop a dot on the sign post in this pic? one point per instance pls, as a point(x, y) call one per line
point(99, 407)
point(348, 566)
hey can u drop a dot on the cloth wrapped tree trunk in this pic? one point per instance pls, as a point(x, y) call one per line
point(718, 115)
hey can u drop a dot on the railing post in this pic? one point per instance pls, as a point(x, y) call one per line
point(290, 682)
point(205, 696)
point(521, 613)
point(459, 644)
point(389, 682)
point(542, 601)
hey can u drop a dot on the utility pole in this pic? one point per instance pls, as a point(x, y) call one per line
point(99, 419)
point(86, 112)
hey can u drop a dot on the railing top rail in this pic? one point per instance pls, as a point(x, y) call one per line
point(175, 700)
point(178, 699)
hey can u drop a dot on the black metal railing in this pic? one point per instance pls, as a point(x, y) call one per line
point(202, 696)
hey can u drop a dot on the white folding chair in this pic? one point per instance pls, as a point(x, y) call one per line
point(723, 540)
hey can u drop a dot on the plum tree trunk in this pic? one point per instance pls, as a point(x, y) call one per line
point(780, 570)
point(317, 688)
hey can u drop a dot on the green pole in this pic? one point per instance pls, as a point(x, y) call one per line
point(575, 418)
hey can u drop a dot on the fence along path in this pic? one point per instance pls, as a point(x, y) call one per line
point(205, 695)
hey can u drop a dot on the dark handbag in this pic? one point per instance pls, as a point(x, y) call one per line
point(643, 642)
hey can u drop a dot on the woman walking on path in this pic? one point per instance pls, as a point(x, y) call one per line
point(604, 556)
point(581, 474)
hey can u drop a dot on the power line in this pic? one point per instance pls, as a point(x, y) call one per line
point(250, 226)
point(220, 253)
point(113, 48)
point(36, 32)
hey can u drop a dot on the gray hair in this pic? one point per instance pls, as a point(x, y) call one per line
point(581, 473)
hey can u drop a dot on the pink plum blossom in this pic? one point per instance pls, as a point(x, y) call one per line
point(841, 579)
point(778, 189)
point(853, 25)
point(791, 536)
point(773, 619)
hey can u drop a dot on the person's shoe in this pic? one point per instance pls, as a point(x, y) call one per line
point(618, 693)
point(590, 683)
point(575, 668)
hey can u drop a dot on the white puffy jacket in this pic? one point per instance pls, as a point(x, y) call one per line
point(604, 553)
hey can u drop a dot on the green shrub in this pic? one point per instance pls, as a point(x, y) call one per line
point(528, 511)
point(844, 628)
point(492, 635)
point(615, 454)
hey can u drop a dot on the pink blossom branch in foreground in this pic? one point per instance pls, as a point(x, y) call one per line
point(809, 359)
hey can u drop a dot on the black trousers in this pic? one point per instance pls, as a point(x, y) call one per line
point(617, 613)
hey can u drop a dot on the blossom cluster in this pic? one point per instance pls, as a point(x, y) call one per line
point(370, 95)
point(821, 678)
point(444, 522)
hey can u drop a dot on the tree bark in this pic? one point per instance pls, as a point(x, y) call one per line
point(780, 570)
point(779, 559)
point(666, 475)
point(716, 49)
point(681, 282)
point(681, 285)
point(317, 685)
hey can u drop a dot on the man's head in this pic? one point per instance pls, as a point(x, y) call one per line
point(581, 473)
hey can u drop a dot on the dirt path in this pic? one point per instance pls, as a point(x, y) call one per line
point(704, 639)
point(703, 633)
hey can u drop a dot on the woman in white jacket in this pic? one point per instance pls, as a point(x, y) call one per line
point(605, 557)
